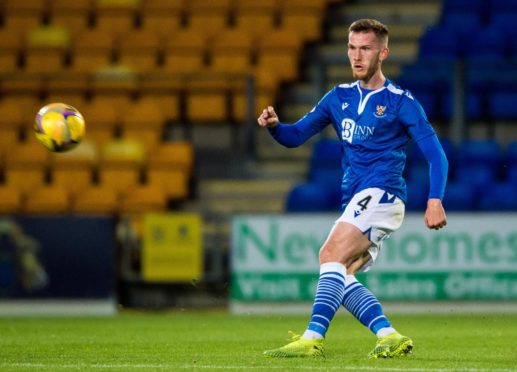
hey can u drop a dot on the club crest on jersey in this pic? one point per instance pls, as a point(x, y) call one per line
point(380, 111)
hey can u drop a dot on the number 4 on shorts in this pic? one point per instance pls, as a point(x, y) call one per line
point(363, 203)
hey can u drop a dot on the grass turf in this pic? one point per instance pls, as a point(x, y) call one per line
point(203, 341)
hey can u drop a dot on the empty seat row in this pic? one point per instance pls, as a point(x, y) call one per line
point(161, 17)
point(118, 165)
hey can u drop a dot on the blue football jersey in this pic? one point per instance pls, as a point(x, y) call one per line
point(374, 127)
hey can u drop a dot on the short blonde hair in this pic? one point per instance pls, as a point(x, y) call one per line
point(366, 25)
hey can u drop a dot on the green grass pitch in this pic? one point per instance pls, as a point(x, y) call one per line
point(218, 341)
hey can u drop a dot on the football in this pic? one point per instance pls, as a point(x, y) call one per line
point(59, 127)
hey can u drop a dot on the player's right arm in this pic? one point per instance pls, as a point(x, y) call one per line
point(293, 135)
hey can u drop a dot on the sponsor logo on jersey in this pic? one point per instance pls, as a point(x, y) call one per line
point(350, 131)
point(380, 111)
point(344, 105)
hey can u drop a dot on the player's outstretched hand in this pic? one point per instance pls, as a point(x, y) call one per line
point(268, 118)
point(435, 214)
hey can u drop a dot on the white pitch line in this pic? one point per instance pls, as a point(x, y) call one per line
point(243, 367)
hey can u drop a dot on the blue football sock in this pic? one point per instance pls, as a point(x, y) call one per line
point(362, 304)
point(329, 293)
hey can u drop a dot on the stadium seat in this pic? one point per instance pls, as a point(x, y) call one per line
point(74, 170)
point(45, 49)
point(459, 197)
point(417, 194)
point(255, 18)
point(10, 49)
point(121, 163)
point(310, 197)
point(143, 121)
point(485, 45)
point(278, 51)
point(208, 17)
point(501, 104)
point(10, 199)
point(21, 16)
point(305, 16)
point(115, 17)
point(439, 44)
point(143, 199)
point(139, 50)
point(26, 165)
point(102, 119)
point(72, 15)
point(326, 159)
point(498, 197)
point(170, 166)
point(161, 18)
point(173, 155)
point(168, 101)
point(91, 50)
point(185, 52)
point(97, 199)
point(511, 163)
point(47, 199)
point(230, 52)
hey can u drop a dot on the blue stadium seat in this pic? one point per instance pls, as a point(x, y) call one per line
point(479, 162)
point(325, 157)
point(499, 197)
point(462, 23)
point(486, 44)
point(311, 197)
point(464, 6)
point(510, 163)
point(459, 196)
point(439, 44)
point(501, 104)
point(417, 194)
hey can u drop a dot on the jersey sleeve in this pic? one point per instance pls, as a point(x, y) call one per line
point(293, 135)
point(438, 165)
point(414, 119)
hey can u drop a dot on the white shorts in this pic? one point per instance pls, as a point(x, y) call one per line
point(377, 213)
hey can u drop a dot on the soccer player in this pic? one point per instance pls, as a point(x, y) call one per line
point(375, 120)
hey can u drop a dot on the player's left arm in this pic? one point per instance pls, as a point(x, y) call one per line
point(435, 217)
point(415, 120)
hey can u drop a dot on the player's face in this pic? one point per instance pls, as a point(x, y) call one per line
point(365, 53)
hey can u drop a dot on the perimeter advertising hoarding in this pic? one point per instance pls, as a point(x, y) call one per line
point(275, 258)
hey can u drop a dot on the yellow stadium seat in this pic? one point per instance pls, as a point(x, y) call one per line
point(115, 17)
point(91, 50)
point(162, 18)
point(168, 102)
point(10, 199)
point(208, 17)
point(143, 121)
point(101, 118)
point(121, 164)
point(185, 52)
point(278, 51)
point(143, 199)
point(22, 83)
point(173, 155)
point(173, 181)
point(206, 106)
point(21, 16)
point(72, 15)
point(139, 50)
point(230, 52)
point(45, 49)
point(48, 199)
point(255, 17)
point(69, 85)
point(10, 47)
point(26, 166)
point(97, 199)
point(73, 170)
